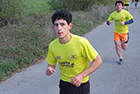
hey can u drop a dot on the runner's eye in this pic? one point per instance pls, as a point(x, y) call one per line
point(55, 24)
point(62, 24)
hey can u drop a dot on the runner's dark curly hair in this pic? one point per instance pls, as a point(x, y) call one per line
point(62, 14)
point(119, 1)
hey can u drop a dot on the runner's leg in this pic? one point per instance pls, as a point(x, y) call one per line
point(117, 46)
point(124, 46)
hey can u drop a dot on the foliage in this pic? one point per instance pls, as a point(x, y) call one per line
point(76, 5)
point(37, 5)
point(71, 4)
point(106, 2)
point(23, 44)
point(11, 11)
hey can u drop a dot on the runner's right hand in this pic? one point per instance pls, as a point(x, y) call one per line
point(49, 71)
point(111, 22)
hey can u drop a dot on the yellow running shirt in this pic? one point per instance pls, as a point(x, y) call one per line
point(127, 1)
point(118, 17)
point(72, 57)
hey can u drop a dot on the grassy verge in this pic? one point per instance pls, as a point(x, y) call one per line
point(37, 5)
point(24, 44)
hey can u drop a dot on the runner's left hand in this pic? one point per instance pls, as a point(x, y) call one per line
point(77, 80)
point(122, 23)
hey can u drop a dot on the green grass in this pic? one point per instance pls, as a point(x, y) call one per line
point(37, 5)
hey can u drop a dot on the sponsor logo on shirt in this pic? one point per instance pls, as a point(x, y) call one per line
point(67, 64)
point(58, 57)
point(118, 20)
point(73, 56)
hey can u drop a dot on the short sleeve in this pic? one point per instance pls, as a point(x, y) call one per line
point(88, 51)
point(50, 57)
point(129, 16)
point(110, 18)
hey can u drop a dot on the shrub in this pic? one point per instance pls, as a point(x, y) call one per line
point(71, 4)
point(10, 11)
point(76, 5)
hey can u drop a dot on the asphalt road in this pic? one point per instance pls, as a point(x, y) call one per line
point(110, 78)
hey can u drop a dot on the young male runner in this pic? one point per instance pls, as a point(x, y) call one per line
point(121, 18)
point(73, 54)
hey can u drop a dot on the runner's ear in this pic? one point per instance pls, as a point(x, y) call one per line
point(70, 26)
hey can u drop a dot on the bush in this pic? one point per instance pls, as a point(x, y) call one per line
point(76, 5)
point(71, 4)
point(10, 11)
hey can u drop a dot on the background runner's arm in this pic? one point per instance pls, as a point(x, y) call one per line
point(109, 22)
point(129, 22)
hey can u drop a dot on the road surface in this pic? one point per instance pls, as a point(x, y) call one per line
point(110, 78)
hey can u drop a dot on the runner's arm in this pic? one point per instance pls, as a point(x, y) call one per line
point(96, 63)
point(129, 21)
point(109, 22)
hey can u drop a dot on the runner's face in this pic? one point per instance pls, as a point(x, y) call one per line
point(119, 7)
point(62, 28)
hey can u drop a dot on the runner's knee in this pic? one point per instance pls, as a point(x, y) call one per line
point(124, 46)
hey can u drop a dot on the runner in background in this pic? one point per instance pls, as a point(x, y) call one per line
point(121, 18)
point(126, 4)
point(136, 2)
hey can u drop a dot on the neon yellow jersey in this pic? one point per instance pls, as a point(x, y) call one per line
point(126, 1)
point(118, 17)
point(73, 57)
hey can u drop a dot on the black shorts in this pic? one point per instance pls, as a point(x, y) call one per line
point(126, 4)
point(68, 88)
